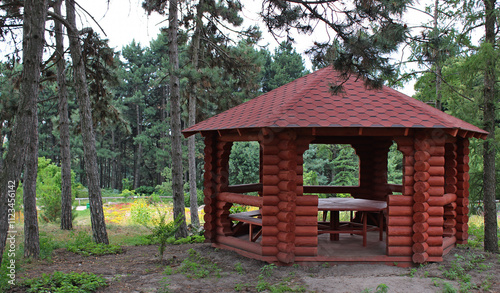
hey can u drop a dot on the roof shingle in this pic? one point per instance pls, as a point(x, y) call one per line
point(309, 102)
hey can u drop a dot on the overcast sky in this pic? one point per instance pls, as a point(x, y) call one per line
point(125, 20)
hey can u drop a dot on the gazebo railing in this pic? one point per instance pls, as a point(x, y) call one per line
point(243, 199)
point(243, 188)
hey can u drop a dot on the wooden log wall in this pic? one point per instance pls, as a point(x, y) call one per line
point(430, 156)
point(278, 192)
point(216, 180)
point(306, 213)
point(400, 207)
point(289, 219)
point(450, 177)
point(462, 209)
point(209, 188)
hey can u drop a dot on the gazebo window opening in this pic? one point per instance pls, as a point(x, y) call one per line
point(331, 165)
point(395, 166)
point(244, 163)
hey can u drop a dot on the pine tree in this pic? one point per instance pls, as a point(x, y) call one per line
point(286, 65)
point(33, 35)
point(366, 32)
point(66, 198)
point(87, 128)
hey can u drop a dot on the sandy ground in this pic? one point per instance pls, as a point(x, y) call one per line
point(138, 269)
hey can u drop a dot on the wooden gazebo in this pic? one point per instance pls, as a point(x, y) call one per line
point(424, 217)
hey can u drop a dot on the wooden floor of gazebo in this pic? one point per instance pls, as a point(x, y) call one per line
point(348, 249)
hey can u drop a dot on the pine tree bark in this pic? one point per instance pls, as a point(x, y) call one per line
point(33, 29)
point(99, 232)
point(193, 195)
point(489, 178)
point(66, 204)
point(138, 158)
point(177, 180)
point(35, 13)
point(437, 61)
point(31, 235)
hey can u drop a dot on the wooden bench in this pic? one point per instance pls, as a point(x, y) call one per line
point(252, 218)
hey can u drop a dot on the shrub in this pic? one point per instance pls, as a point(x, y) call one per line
point(199, 195)
point(48, 190)
point(127, 193)
point(147, 190)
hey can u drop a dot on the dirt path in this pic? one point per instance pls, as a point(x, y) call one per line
point(200, 268)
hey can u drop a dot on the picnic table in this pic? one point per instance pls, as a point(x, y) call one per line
point(366, 207)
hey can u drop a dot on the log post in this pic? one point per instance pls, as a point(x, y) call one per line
point(462, 190)
point(209, 188)
point(223, 150)
point(450, 172)
point(279, 180)
point(306, 225)
point(421, 188)
point(400, 207)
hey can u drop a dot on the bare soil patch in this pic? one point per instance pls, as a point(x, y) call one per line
point(138, 269)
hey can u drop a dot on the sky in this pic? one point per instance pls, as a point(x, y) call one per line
point(124, 20)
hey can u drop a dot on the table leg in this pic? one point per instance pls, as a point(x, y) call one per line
point(381, 225)
point(364, 216)
point(334, 224)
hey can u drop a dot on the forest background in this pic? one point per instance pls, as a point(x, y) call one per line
point(130, 94)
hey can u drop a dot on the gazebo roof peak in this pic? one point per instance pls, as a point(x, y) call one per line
point(309, 102)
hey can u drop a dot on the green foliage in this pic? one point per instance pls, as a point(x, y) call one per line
point(463, 266)
point(186, 240)
point(162, 230)
point(311, 178)
point(48, 190)
point(267, 270)
point(147, 190)
point(83, 244)
point(394, 165)
point(59, 282)
point(127, 193)
point(237, 208)
point(382, 288)
point(264, 285)
point(196, 266)
point(48, 244)
point(332, 165)
point(244, 163)
point(239, 268)
point(199, 195)
point(140, 213)
point(284, 66)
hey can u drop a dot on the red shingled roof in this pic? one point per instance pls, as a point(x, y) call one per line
point(309, 102)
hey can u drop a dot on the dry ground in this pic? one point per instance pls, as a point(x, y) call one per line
point(138, 269)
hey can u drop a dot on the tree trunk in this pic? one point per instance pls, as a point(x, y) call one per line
point(113, 172)
point(31, 236)
point(99, 232)
point(138, 158)
point(489, 179)
point(33, 29)
point(66, 202)
point(193, 196)
point(177, 180)
point(437, 61)
point(35, 13)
